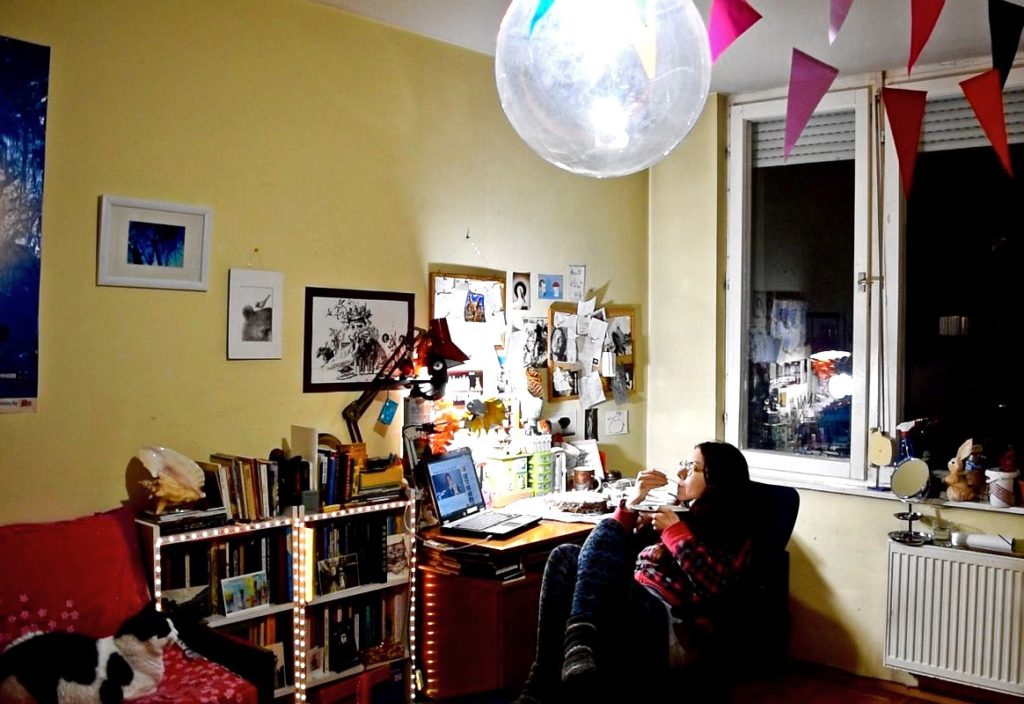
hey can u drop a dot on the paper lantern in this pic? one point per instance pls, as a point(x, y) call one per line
point(602, 88)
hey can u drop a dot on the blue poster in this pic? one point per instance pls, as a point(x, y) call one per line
point(24, 80)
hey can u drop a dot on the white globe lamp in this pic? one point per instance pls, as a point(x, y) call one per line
point(602, 87)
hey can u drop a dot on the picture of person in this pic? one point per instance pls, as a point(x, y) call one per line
point(536, 348)
point(475, 308)
point(446, 489)
point(559, 343)
point(549, 287)
point(520, 296)
point(542, 288)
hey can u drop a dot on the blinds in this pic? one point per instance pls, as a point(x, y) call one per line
point(827, 137)
point(949, 123)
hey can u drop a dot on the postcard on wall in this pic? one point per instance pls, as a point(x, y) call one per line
point(563, 337)
point(616, 422)
point(535, 347)
point(576, 284)
point(591, 390)
point(549, 287)
point(520, 290)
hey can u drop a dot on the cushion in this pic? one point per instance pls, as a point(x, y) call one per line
point(196, 680)
point(81, 575)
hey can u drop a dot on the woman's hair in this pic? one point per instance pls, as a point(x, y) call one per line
point(720, 516)
point(519, 286)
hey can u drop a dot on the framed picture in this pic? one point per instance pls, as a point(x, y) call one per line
point(618, 358)
point(244, 592)
point(350, 334)
point(255, 310)
point(474, 305)
point(150, 244)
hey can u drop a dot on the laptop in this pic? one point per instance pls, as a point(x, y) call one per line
point(455, 488)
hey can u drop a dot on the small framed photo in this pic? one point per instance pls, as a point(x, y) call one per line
point(337, 573)
point(255, 310)
point(150, 244)
point(246, 591)
point(349, 335)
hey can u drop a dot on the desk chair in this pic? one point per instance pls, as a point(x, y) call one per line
point(751, 636)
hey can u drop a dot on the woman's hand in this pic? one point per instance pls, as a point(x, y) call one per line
point(645, 481)
point(663, 518)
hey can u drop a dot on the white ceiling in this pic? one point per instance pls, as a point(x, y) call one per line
point(876, 35)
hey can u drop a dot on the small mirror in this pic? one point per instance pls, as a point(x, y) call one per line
point(910, 482)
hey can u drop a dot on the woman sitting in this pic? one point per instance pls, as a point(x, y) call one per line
point(601, 612)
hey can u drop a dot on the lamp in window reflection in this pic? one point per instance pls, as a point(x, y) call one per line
point(602, 88)
point(431, 351)
point(834, 371)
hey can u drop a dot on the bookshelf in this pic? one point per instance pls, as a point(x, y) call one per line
point(294, 614)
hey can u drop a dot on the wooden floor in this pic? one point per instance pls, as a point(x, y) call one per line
point(812, 684)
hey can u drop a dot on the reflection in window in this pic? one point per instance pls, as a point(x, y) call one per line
point(799, 344)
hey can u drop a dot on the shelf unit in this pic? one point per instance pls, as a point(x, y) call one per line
point(292, 612)
point(379, 599)
point(228, 547)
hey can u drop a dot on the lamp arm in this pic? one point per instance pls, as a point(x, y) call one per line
point(354, 411)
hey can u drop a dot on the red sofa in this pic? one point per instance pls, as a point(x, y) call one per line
point(85, 575)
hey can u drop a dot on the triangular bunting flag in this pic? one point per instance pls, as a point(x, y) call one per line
point(1005, 21)
point(904, 109)
point(727, 20)
point(923, 16)
point(836, 17)
point(809, 80)
point(985, 94)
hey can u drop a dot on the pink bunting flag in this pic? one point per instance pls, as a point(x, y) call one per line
point(836, 17)
point(985, 94)
point(727, 21)
point(904, 109)
point(923, 16)
point(809, 80)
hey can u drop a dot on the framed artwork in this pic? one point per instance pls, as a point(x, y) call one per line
point(149, 244)
point(474, 305)
point(349, 335)
point(255, 310)
point(576, 351)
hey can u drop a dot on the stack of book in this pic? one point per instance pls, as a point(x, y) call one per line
point(247, 487)
point(472, 563)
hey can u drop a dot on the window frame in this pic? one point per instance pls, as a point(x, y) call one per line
point(774, 465)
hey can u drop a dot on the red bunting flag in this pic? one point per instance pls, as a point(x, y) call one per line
point(923, 16)
point(836, 16)
point(729, 19)
point(904, 109)
point(1005, 22)
point(809, 80)
point(985, 94)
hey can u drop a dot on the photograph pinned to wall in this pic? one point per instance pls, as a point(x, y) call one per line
point(616, 422)
point(565, 382)
point(619, 353)
point(255, 311)
point(549, 287)
point(576, 282)
point(474, 305)
point(564, 420)
point(590, 431)
point(535, 344)
point(151, 244)
point(350, 334)
point(246, 591)
point(25, 82)
point(563, 336)
point(520, 290)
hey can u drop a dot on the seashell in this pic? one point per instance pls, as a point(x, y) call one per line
point(165, 462)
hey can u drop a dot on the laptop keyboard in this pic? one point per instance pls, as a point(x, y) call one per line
point(483, 520)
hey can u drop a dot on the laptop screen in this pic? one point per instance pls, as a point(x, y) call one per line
point(455, 485)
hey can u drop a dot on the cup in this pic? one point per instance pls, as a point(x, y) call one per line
point(1000, 487)
point(582, 479)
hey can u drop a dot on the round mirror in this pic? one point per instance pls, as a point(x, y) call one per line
point(910, 480)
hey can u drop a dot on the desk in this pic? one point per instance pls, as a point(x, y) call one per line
point(476, 635)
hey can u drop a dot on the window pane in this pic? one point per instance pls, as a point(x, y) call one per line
point(963, 287)
point(800, 339)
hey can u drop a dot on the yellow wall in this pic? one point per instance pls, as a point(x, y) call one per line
point(349, 154)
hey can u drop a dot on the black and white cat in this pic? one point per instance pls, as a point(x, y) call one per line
point(70, 668)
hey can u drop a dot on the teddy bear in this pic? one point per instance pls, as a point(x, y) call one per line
point(957, 488)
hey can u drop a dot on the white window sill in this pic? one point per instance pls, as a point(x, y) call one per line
point(852, 488)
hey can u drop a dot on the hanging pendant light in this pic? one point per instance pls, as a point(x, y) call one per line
point(602, 87)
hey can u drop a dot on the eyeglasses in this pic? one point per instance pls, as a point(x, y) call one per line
point(687, 466)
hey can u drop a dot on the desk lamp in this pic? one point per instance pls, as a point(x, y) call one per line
point(432, 346)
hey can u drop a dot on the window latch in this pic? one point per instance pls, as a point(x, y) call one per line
point(863, 280)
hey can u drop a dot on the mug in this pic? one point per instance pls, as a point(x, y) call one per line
point(582, 479)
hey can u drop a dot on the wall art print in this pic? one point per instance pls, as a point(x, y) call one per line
point(24, 83)
point(349, 335)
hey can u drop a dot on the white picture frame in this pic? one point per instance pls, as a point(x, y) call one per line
point(255, 314)
point(152, 244)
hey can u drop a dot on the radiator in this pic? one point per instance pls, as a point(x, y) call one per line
point(956, 615)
